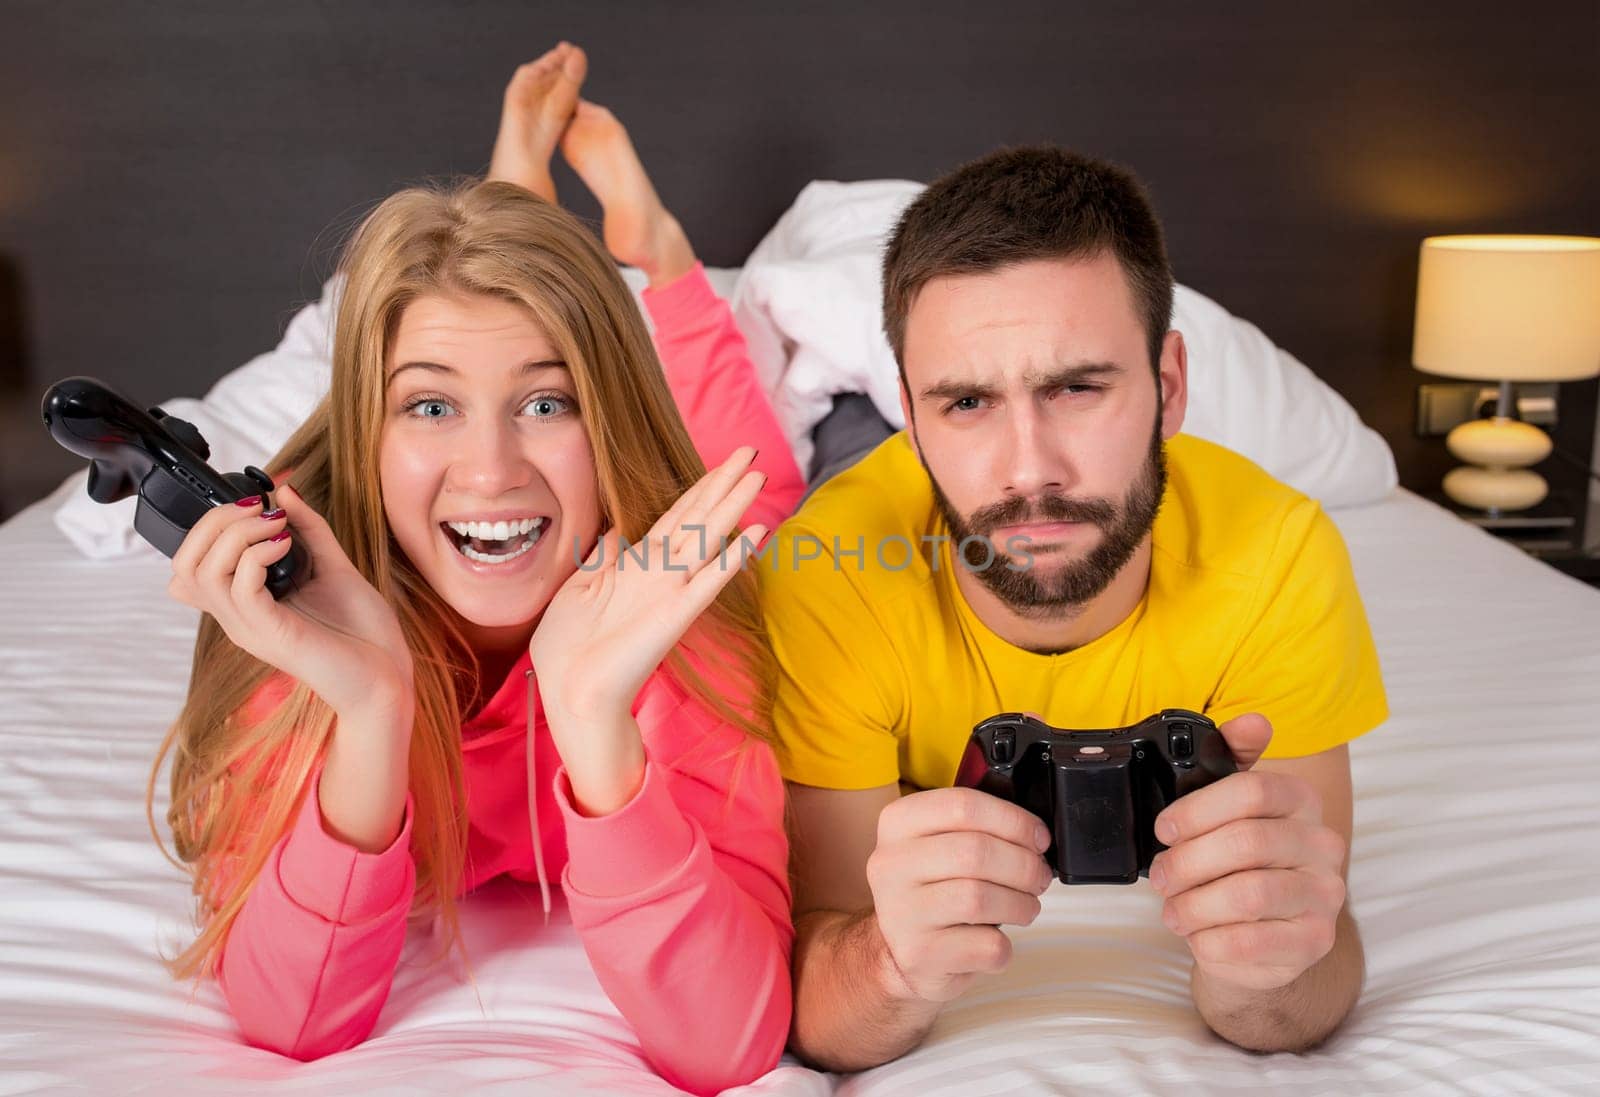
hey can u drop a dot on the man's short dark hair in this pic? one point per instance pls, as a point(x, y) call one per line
point(1018, 204)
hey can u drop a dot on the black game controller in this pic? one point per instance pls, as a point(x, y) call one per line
point(1099, 792)
point(161, 457)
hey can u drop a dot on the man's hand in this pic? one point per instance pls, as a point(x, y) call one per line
point(1254, 878)
point(951, 866)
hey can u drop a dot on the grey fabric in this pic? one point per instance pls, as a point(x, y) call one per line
point(846, 434)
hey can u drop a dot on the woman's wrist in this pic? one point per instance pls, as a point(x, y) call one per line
point(609, 790)
point(391, 692)
point(396, 693)
point(603, 756)
point(366, 776)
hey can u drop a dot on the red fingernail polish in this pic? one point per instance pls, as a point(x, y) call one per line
point(249, 501)
point(273, 515)
point(278, 536)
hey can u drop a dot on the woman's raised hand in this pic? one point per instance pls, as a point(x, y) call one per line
point(613, 621)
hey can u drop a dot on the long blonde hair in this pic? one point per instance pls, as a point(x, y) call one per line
point(236, 783)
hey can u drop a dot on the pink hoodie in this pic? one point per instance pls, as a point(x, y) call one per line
point(681, 897)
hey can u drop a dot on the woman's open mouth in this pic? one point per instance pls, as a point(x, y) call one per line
point(495, 542)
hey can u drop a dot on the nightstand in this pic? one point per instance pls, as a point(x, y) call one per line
point(1578, 561)
point(1555, 531)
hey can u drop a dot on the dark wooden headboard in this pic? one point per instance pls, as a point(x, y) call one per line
point(175, 177)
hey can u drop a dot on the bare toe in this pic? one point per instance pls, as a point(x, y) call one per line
point(562, 96)
point(539, 102)
point(527, 85)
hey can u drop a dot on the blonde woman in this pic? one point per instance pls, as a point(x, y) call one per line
point(453, 696)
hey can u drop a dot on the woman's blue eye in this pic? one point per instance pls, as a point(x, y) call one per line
point(430, 409)
point(547, 407)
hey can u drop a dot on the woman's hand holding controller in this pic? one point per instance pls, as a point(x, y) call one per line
point(335, 634)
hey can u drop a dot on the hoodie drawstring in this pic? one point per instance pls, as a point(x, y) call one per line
point(533, 802)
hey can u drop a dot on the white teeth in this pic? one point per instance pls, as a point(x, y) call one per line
point(497, 557)
point(496, 531)
point(529, 530)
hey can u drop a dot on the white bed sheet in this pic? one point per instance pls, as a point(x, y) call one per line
point(1474, 878)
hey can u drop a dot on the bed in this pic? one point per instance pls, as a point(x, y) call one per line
point(1473, 875)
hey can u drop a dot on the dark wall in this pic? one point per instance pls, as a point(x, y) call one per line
point(175, 177)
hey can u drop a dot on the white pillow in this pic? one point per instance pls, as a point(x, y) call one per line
point(810, 303)
point(249, 414)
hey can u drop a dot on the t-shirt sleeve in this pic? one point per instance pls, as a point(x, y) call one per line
point(839, 690)
point(1306, 660)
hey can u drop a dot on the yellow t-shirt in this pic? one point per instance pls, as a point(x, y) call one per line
point(884, 669)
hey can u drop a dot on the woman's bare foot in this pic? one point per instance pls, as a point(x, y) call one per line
point(636, 227)
point(538, 105)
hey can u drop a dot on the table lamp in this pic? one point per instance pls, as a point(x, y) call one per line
point(1506, 309)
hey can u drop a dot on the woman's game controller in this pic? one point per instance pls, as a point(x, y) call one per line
point(163, 459)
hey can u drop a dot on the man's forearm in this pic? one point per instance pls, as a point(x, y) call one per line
point(847, 1016)
point(1295, 1017)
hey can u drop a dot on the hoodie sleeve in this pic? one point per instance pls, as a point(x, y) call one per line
point(715, 386)
point(310, 958)
point(681, 899)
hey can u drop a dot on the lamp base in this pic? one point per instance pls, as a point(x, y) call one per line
point(1499, 442)
point(1495, 490)
point(1497, 480)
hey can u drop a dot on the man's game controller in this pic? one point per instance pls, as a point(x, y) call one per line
point(1099, 792)
point(162, 458)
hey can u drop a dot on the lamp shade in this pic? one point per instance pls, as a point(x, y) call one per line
point(1509, 308)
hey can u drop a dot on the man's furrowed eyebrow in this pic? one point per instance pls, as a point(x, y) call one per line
point(956, 390)
point(1076, 373)
point(435, 367)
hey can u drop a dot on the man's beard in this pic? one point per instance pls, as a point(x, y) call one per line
point(1025, 589)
